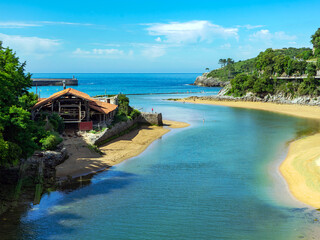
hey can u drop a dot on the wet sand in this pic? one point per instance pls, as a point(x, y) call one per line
point(301, 170)
point(83, 161)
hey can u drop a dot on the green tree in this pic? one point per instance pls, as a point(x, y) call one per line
point(315, 39)
point(123, 105)
point(318, 64)
point(229, 61)
point(311, 69)
point(222, 62)
point(265, 61)
point(280, 63)
point(16, 137)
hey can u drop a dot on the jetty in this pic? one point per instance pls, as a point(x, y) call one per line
point(54, 81)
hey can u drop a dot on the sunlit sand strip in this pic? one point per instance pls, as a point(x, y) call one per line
point(83, 161)
point(297, 110)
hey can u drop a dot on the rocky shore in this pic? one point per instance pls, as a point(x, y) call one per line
point(279, 98)
point(205, 81)
point(20, 184)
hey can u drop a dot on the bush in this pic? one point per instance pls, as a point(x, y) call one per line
point(135, 113)
point(50, 142)
point(57, 122)
point(95, 148)
point(9, 152)
point(318, 64)
point(123, 104)
point(311, 69)
point(120, 117)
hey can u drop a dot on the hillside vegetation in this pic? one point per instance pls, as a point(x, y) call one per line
point(260, 75)
point(19, 135)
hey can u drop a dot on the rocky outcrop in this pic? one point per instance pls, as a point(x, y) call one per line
point(50, 159)
point(18, 183)
point(209, 81)
point(280, 98)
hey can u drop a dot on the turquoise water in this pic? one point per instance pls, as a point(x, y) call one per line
point(212, 180)
point(133, 83)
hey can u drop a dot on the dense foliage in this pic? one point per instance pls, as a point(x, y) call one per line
point(262, 75)
point(19, 135)
point(229, 69)
point(125, 112)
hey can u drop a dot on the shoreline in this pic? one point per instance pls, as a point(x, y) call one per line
point(301, 167)
point(82, 161)
point(303, 111)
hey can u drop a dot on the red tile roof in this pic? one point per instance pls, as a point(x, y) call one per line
point(100, 106)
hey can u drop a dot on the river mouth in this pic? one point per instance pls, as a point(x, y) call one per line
point(208, 181)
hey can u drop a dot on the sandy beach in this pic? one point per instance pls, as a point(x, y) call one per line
point(301, 167)
point(312, 112)
point(83, 161)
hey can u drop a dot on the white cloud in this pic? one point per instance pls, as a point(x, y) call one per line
point(29, 45)
point(65, 23)
point(158, 39)
point(154, 51)
point(17, 25)
point(266, 35)
point(112, 53)
point(190, 32)
point(283, 36)
point(249, 27)
point(38, 24)
point(225, 46)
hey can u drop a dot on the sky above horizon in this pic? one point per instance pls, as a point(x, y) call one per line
point(150, 36)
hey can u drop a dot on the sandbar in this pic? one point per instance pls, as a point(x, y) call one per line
point(301, 167)
point(83, 161)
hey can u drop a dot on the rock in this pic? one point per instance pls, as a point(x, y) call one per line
point(224, 90)
point(209, 82)
point(280, 97)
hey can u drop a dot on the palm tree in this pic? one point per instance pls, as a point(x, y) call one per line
point(222, 62)
point(207, 69)
point(230, 61)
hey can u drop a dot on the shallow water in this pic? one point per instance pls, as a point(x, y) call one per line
point(208, 181)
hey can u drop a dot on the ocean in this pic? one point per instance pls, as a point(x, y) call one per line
point(217, 179)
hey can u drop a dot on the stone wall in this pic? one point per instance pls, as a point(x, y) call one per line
point(145, 118)
point(151, 118)
point(116, 129)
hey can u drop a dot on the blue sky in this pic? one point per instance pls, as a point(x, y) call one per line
point(150, 36)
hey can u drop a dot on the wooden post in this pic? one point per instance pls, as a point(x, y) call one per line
point(80, 111)
point(87, 111)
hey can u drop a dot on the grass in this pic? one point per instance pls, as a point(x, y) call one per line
point(95, 148)
point(95, 131)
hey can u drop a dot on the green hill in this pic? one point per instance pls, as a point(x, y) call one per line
point(230, 70)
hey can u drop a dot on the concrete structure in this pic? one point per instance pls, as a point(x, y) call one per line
point(54, 81)
point(118, 128)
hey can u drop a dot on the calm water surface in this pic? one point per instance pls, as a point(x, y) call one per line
point(212, 180)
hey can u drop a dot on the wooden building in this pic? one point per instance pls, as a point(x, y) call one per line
point(76, 107)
